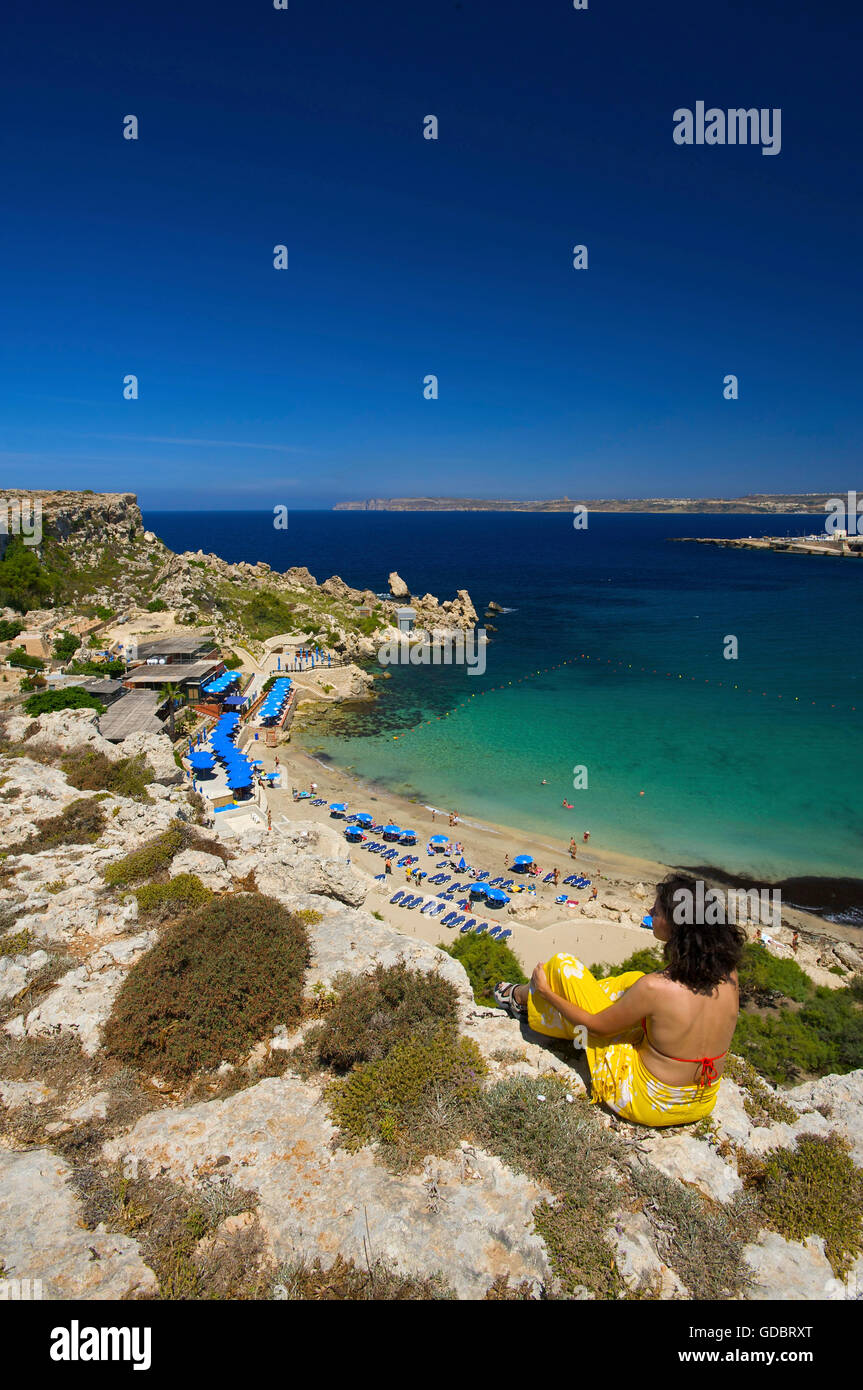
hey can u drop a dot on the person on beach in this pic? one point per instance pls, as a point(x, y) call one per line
point(594, 894)
point(434, 812)
point(586, 836)
point(314, 788)
point(506, 861)
point(388, 868)
point(655, 1043)
point(555, 876)
point(795, 943)
point(573, 849)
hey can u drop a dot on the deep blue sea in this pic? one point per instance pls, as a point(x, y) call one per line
point(751, 764)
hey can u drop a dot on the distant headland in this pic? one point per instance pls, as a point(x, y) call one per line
point(804, 502)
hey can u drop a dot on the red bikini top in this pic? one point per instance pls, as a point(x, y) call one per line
point(708, 1073)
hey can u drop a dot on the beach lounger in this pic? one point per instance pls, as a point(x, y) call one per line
point(502, 935)
point(470, 924)
point(494, 931)
point(481, 927)
point(549, 878)
point(449, 919)
point(436, 911)
point(397, 897)
point(485, 873)
point(465, 928)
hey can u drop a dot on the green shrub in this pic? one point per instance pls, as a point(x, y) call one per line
point(66, 645)
point(647, 959)
point(762, 973)
point(156, 605)
point(826, 1035)
point(412, 1102)
point(16, 943)
point(377, 1011)
point(88, 769)
point(780, 1046)
point(266, 615)
point(487, 962)
point(815, 1189)
point(23, 582)
point(148, 861)
point(213, 985)
point(72, 697)
point(18, 657)
point(9, 630)
point(96, 668)
point(79, 823)
point(180, 894)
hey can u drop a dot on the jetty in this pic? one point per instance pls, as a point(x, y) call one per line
point(850, 547)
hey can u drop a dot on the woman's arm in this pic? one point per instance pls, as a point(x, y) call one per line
point(631, 1008)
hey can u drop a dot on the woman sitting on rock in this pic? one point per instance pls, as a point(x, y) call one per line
point(656, 1044)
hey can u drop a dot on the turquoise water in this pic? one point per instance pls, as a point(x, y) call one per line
point(753, 783)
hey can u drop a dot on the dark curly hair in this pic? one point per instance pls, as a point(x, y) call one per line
point(698, 955)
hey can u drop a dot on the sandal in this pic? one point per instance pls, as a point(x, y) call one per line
point(503, 994)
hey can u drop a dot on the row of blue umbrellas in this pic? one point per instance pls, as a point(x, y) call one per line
point(276, 698)
point(238, 769)
point(222, 682)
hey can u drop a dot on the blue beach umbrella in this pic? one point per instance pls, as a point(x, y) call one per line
point(202, 762)
point(522, 861)
point(439, 840)
point(364, 818)
point(496, 897)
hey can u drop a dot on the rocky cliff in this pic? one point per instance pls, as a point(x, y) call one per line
point(96, 554)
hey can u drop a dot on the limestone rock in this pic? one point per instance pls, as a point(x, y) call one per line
point(158, 752)
point(317, 1201)
point(209, 868)
point(847, 955)
point(637, 1258)
point(53, 1246)
point(694, 1162)
point(355, 942)
point(398, 587)
point(14, 1094)
point(82, 999)
point(840, 1096)
point(789, 1270)
point(16, 971)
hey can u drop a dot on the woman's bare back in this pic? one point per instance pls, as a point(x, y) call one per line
point(689, 1025)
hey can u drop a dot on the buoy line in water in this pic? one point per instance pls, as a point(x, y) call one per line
point(621, 666)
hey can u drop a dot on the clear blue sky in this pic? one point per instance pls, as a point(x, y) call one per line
point(409, 257)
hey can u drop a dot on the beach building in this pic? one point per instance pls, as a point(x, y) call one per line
point(405, 619)
point(179, 649)
point(107, 690)
point(136, 712)
point(190, 676)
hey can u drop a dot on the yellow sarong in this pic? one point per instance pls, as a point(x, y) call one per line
point(619, 1077)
